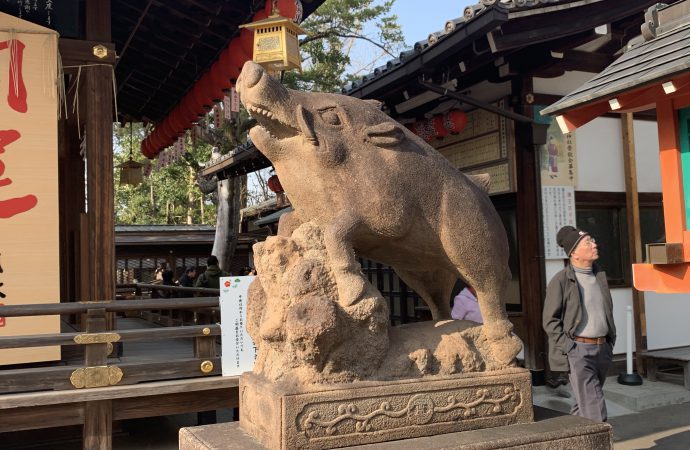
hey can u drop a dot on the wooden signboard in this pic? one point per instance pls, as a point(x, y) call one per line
point(485, 145)
point(29, 259)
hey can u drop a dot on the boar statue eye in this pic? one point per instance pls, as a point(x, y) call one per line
point(330, 116)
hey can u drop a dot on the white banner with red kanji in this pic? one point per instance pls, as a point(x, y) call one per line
point(29, 225)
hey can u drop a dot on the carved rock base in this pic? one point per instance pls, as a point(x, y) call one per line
point(328, 416)
point(557, 433)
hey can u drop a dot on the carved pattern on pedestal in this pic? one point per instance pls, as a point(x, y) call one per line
point(420, 409)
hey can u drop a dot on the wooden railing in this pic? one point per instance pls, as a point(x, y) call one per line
point(98, 343)
point(95, 390)
point(170, 317)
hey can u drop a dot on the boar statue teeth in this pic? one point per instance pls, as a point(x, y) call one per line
point(371, 188)
point(277, 128)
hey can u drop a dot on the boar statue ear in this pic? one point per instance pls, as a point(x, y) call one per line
point(375, 103)
point(385, 134)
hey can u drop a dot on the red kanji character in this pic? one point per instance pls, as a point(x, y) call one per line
point(16, 96)
point(18, 205)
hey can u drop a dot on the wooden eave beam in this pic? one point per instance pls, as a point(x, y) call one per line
point(135, 28)
point(592, 62)
point(544, 27)
point(637, 100)
point(571, 120)
point(76, 52)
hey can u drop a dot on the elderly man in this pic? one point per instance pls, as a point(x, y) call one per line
point(578, 319)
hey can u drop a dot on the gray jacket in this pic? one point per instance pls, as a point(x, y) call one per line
point(563, 312)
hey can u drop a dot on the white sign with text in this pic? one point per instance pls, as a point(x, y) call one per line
point(558, 210)
point(238, 351)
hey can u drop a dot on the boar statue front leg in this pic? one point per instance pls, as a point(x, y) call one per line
point(346, 270)
point(497, 328)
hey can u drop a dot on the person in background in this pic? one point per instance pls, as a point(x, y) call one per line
point(247, 271)
point(158, 274)
point(167, 279)
point(188, 277)
point(466, 306)
point(211, 278)
point(578, 320)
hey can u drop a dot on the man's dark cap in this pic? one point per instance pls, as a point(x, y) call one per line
point(568, 237)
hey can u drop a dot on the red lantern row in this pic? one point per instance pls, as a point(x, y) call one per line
point(440, 125)
point(213, 84)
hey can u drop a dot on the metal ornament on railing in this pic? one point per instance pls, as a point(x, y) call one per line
point(206, 366)
point(96, 376)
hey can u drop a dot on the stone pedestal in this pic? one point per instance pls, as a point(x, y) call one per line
point(557, 433)
point(329, 416)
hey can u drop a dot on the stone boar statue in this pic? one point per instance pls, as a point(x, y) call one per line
point(379, 191)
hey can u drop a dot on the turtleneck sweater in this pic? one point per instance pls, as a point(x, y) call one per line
point(593, 323)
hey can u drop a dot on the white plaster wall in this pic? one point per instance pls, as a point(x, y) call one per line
point(667, 320)
point(600, 156)
point(647, 156)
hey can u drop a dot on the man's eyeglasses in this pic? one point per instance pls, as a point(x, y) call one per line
point(588, 241)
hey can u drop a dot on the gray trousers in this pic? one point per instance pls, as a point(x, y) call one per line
point(588, 366)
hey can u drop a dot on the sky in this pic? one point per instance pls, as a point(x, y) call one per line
point(419, 18)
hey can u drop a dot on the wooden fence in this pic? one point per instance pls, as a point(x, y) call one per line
point(96, 391)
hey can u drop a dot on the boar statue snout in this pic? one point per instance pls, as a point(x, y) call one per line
point(250, 76)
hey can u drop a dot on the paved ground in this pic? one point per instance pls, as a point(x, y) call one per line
point(660, 428)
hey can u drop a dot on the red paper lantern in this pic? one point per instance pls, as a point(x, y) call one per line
point(228, 62)
point(202, 102)
point(146, 148)
point(292, 9)
point(455, 121)
point(274, 184)
point(247, 40)
point(220, 79)
point(175, 119)
point(168, 141)
point(189, 111)
point(165, 128)
point(156, 141)
point(439, 126)
point(237, 54)
point(211, 89)
point(263, 14)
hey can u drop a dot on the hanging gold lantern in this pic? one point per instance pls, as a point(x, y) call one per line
point(130, 170)
point(276, 44)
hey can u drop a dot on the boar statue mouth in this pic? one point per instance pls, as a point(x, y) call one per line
point(271, 123)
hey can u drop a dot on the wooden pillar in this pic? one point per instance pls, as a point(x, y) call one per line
point(529, 228)
point(98, 414)
point(98, 120)
point(634, 238)
point(71, 198)
point(671, 172)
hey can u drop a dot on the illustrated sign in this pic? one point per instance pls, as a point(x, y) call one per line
point(238, 351)
point(29, 225)
point(558, 206)
point(557, 157)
